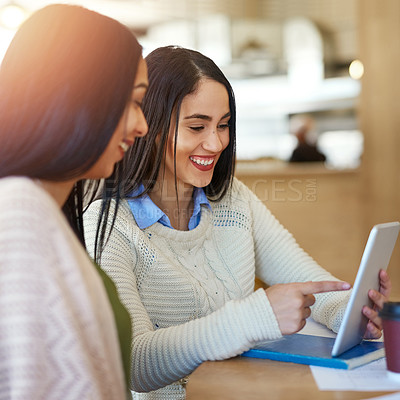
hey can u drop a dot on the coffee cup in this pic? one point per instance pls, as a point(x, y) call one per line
point(390, 315)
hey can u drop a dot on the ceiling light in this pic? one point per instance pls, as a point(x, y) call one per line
point(356, 69)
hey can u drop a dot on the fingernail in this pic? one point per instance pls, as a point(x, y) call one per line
point(372, 326)
point(346, 285)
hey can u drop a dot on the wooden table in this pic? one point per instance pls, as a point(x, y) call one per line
point(253, 379)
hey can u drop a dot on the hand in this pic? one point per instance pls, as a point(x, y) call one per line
point(291, 302)
point(374, 327)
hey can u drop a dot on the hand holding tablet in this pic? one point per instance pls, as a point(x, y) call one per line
point(378, 299)
point(377, 253)
point(291, 302)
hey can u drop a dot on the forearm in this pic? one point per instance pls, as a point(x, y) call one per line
point(280, 259)
point(163, 356)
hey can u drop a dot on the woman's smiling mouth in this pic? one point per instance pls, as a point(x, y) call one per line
point(202, 163)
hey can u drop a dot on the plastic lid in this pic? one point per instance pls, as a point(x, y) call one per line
point(391, 310)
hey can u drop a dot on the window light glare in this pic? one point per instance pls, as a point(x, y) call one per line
point(356, 69)
point(12, 16)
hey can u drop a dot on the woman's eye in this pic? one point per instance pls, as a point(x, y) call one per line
point(223, 126)
point(197, 128)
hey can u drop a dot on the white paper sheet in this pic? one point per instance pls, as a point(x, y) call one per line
point(316, 329)
point(393, 396)
point(370, 377)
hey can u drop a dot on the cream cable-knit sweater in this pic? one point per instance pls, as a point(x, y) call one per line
point(58, 338)
point(191, 293)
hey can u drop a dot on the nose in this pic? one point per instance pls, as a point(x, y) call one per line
point(213, 142)
point(141, 127)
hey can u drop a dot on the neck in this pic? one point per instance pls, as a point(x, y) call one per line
point(177, 203)
point(58, 190)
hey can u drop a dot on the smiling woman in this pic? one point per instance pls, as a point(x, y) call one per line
point(189, 239)
point(71, 86)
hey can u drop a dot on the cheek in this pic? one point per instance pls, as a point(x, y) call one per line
point(183, 149)
point(127, 123)
point(131, 121)
point(118, 133)
point(169, 154)
point(225, 141)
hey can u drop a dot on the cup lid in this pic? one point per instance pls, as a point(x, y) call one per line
point(391, 310)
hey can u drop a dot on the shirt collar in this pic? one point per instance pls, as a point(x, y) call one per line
point(146, 213)
point(199, 198)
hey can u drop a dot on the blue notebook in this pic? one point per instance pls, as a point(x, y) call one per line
point(316, 350)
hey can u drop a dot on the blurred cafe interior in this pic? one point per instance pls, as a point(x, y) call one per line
point(333, 63)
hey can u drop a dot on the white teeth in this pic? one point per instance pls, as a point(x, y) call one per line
point(124, 146)
point(201, 161)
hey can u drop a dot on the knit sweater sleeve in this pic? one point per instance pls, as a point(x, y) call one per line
point(162, 356)
point(279, 259)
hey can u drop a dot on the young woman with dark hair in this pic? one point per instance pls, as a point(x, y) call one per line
point(189, 239)
point(71, 86)
point(185, 69)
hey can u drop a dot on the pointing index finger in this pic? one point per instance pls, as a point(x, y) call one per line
point(323, 286)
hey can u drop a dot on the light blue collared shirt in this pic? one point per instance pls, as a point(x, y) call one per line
point(146, 213)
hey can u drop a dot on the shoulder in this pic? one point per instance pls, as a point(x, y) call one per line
point(22, 197)
point(239, 189)
point(16, 187)
point(123, 211)
point(238, 194)
point(242, 201)
point(34, 234)
point(121, 218)
point(235, 208)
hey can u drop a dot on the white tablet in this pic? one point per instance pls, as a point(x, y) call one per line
point(377, 253)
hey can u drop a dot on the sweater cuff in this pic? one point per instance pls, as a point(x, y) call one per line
point(260, 311)
point(240, 325)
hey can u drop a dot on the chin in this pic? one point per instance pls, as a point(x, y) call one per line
point(107, 175)
point(201, 183)
point(100, 174)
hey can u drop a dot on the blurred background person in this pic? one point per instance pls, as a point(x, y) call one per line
point(302, 127)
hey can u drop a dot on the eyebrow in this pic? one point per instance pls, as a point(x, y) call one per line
point(205, 117)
